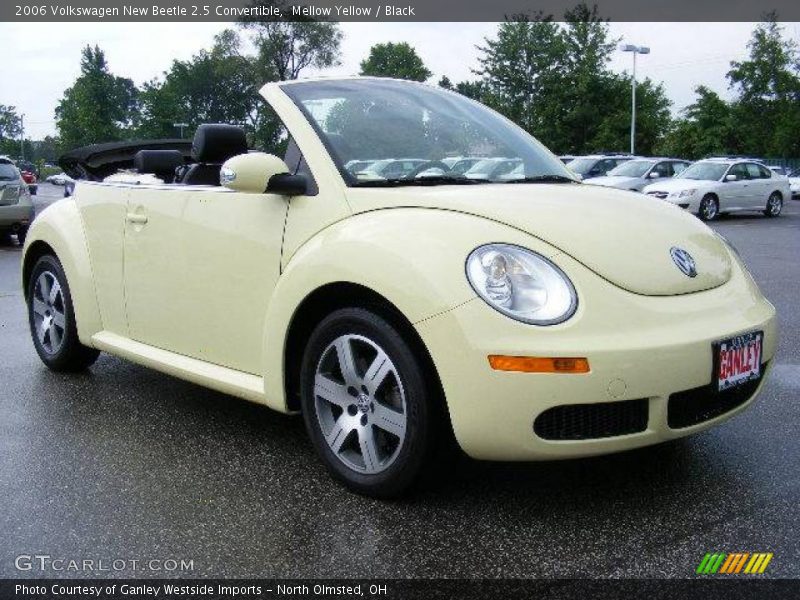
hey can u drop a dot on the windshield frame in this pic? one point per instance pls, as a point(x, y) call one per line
point(291, 88)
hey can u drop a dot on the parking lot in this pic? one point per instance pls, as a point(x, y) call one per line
point(124, 462)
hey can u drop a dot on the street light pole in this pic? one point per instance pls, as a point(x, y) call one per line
point(180, 126)
point(22, 137)
point(635, 50)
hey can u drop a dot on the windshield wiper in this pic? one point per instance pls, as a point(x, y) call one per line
point(543, 179)
point(427, 180)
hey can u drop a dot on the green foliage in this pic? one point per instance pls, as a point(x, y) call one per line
point(216, 86)
point(764, 119)
point(553, 80)
point(10, 130)
point(99, 107)
point(399, 61)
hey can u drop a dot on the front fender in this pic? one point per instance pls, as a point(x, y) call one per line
point(413, 257)
point(60, 227)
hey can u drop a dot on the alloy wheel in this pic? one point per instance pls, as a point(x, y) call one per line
point(49, 312)
point(709, 209)
point(360, 404)
point(774, 205)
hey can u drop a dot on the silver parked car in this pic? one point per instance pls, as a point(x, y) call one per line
point(16, 206)
point(636, 173)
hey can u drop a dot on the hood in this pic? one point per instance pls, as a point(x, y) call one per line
point(615, 181)
point(673, 184)
point(625, 238)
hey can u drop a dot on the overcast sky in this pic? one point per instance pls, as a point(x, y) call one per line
point(42, 59)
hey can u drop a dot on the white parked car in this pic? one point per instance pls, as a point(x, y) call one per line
point(794, 183)
point(59, 179)
point(714, 186)
point(635, 174)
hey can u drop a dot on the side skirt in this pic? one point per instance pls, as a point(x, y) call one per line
point(222, 379)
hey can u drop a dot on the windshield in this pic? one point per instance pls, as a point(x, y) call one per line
point(706, 171)
point(582, 165)
point(632, 168)
point(8, 172)
point(412, 130)
point(795, 173)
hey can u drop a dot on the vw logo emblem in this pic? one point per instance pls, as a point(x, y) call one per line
point(684, 261)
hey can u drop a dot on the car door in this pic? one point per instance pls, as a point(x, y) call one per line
point(760, 180)
point(200, 265)
point(734, 194)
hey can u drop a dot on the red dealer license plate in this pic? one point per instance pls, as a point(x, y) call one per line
point(737, 360)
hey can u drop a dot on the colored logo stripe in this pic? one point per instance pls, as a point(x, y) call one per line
point(720, 562)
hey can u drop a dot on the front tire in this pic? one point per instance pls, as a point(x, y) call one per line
point(365, 403)
point(52, 319)
point(774, 205)
point(709, 208)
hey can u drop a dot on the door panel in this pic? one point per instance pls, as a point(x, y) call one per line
point(736, 192)
point(200, 271)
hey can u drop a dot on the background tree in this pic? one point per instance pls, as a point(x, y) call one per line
point(706, 128)
point(767, 110)
point(398, 60)
point(521, 67)
point(10, 130)
point(99, 107)
point(284, 49)
point(214, 86)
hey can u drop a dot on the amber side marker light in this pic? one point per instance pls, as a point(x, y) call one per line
point(533, 364)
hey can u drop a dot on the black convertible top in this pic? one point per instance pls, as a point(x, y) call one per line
point(98, 161)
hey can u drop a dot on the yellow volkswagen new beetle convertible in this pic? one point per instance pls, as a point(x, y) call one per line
point(537, 317)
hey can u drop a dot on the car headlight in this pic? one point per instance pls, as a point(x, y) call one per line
point(521, 284)
point(687, 193)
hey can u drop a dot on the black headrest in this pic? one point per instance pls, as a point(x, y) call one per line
point(159, 162)
point(216, 143)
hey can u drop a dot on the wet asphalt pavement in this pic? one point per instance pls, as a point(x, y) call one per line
point(125, 463)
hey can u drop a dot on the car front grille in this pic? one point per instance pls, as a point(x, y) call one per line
point(661, 195)
point(592, 421)
point(701, 404)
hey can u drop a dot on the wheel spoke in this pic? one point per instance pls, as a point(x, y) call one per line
point(389, 420)
point(44, 286)
point(41, 332)
point(369, 451)
point(333, 392)
point(55, 337)
point(39, 307)
point(377, 371)
point(337, 435)
point(55, 291)
point(59, 319)
point(347, 364)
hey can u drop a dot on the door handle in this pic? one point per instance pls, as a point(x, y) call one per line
point(137, 218)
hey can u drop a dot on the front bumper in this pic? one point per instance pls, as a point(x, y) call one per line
point(638, 347)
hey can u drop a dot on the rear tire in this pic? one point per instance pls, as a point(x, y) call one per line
point(709, 208)
point(21, 235)
point(52, 319)
point(365, 403)
point(774, 205)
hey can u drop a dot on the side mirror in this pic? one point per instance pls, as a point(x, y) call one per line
point(730, 177)
point(252, 172)
point(654, 175)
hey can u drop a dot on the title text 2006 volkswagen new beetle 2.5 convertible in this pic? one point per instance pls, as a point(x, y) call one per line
point(537, 317)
